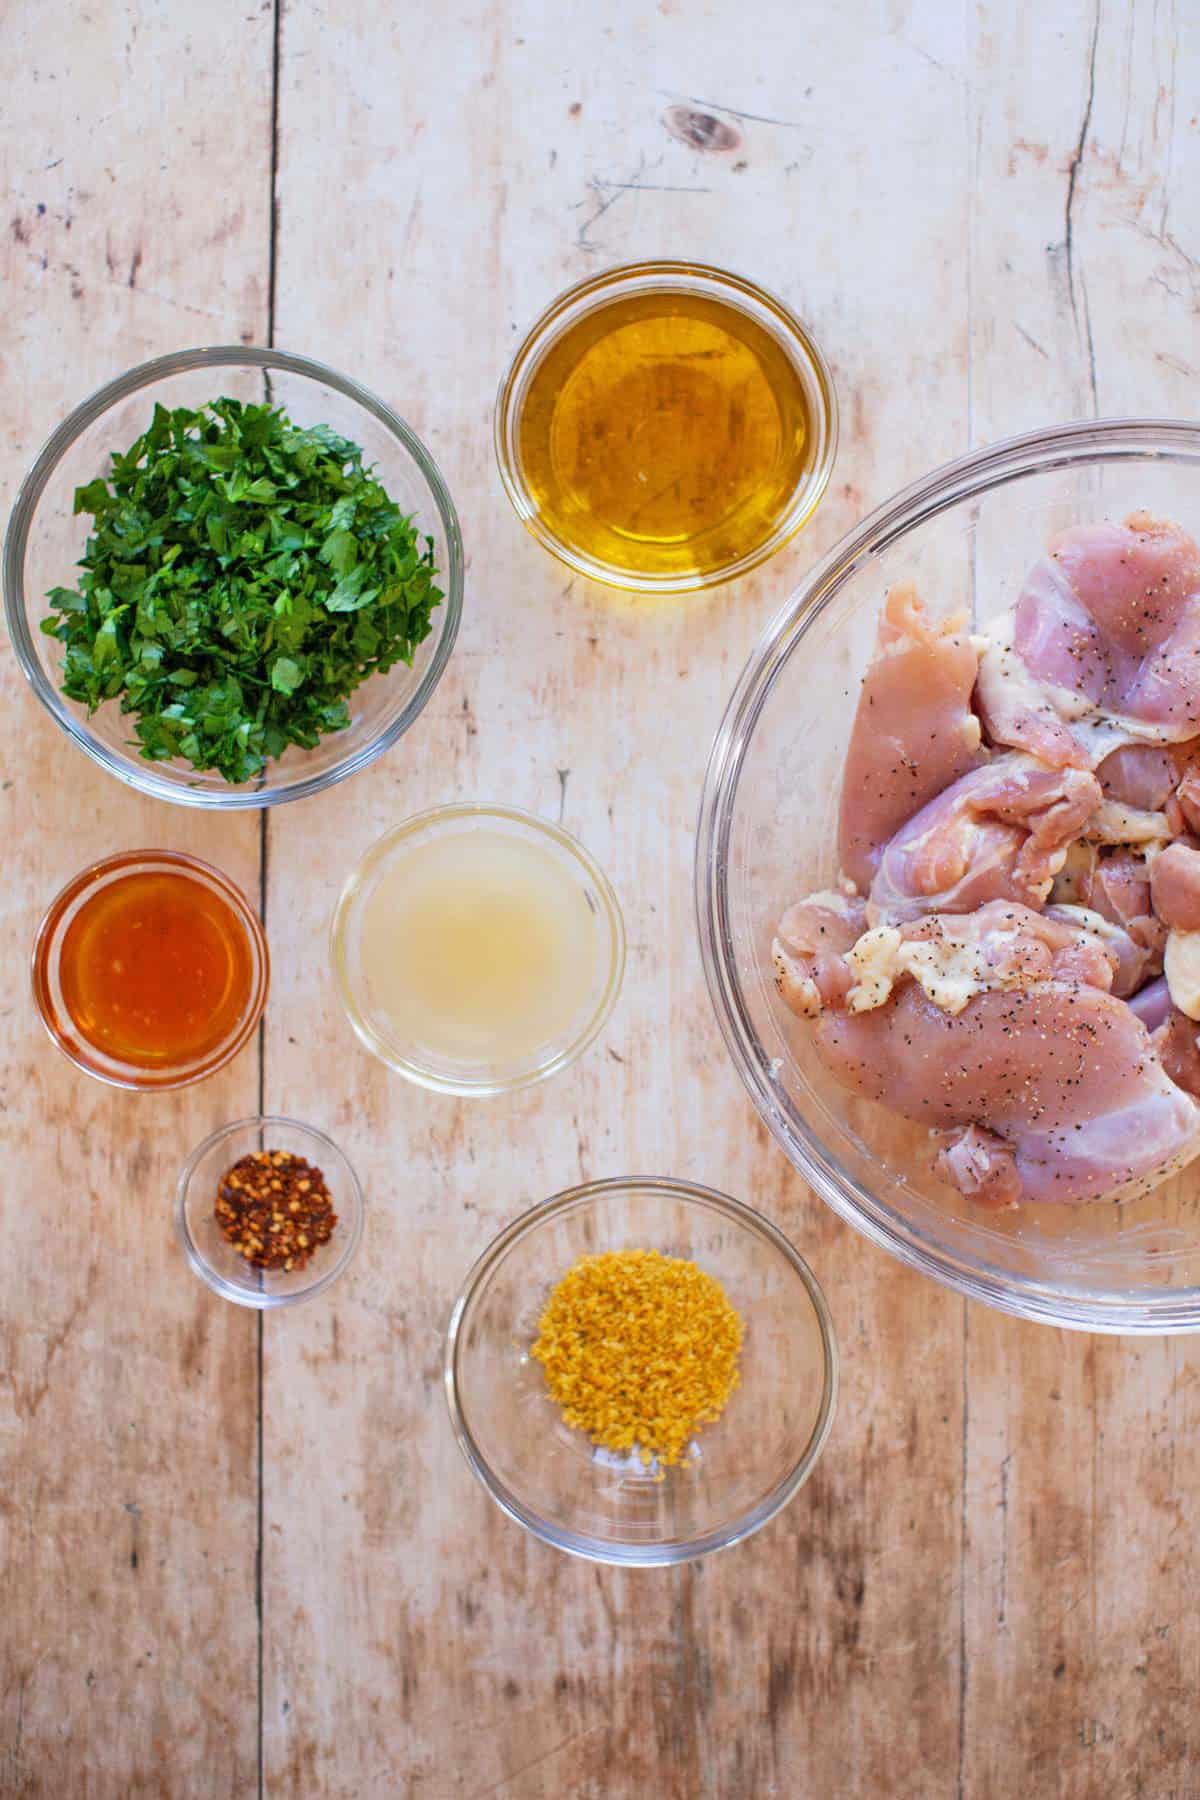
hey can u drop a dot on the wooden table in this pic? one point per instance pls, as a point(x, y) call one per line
point(244, 1555)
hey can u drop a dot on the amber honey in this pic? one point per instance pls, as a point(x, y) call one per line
point(667, 434)
point(150, 965)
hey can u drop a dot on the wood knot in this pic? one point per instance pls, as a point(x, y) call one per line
point(701, 130)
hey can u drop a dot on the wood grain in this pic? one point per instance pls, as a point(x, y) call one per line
point(394, 1595)
point(1081, 1669)
point(988, 221)
point(137, 222)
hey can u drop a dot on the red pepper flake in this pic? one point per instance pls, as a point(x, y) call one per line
point(275, 1209)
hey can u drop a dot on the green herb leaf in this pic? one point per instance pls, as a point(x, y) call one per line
point(243, 576)
point(94, 498)
point(286, 675)
point(340, 551)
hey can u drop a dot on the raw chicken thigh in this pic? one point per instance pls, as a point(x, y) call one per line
point(1057, 1084)
point(810, 944)
point(1175, 887)
point(952, 957)
point(1101, 648)
point(999, 833)
point(1110, 892)
point(1011, 952)
point(1141, 775)
point(915, 732)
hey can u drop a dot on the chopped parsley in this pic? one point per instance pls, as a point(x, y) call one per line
point(243, 576)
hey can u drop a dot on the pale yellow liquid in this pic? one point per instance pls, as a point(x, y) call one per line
point(480, 947)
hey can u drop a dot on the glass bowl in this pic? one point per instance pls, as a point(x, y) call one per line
point(740, 1469)
point(211, 1254)
point(965, 535)
point(47, 971)
point(486, 1069)
point(45, 540)
point(647, 279)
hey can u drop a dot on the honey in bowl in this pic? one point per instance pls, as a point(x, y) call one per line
point(666, 435)
point(155, 969)
point(150, 969)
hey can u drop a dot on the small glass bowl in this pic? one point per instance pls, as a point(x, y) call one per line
point(406, 1053)
point(211, 1254)
point(741, 1469)
point(46, 538)
point(647, 279)
point(47, 961)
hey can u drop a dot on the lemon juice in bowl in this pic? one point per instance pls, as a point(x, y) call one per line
point(477, 948)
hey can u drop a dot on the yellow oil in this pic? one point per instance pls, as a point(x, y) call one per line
point(480, 947)
point(664, 434)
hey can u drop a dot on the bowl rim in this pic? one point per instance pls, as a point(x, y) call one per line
point(486, 1087)
point(47, 943)
point(581, 1544)
point(671, 274)
point(142, 774)
point(993, 465)
point(261, 1300)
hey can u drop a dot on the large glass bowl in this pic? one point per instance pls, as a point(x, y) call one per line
point(966, 535)
point(738, 1471)
point(45, 540)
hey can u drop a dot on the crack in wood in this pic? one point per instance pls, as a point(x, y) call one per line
point(1076, 283)
point(264, 848)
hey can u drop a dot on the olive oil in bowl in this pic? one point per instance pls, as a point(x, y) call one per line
point(666, 427)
